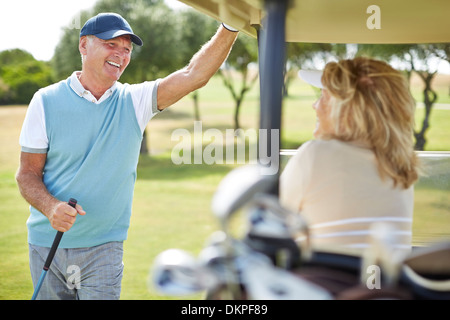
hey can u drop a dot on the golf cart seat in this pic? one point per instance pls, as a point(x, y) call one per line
point(427, 271)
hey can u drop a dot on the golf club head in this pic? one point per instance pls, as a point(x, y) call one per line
point(176, 272)
point(215, 250)
point(219, 256)
point(268, 217)
point(263, 221)
point(238, 187)
point(279, 284)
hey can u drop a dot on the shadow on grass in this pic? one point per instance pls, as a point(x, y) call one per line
point(242, 152)
point(171, 115)
point(303, 97)
point(161, 167)
point(291, 144)
point(190, 125)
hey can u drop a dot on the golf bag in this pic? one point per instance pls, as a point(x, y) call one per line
point(267, 263)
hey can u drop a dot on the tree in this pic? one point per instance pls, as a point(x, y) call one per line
point(21, 76)
point(5, 93)
point(245, 51)
point(302, 56)
point(66, 58)
point(425, 72)
point(442, 51)
point(156, 25)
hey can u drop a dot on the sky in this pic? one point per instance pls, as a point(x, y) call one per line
point(36, 25)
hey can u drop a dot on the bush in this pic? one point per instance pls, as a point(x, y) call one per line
point(21, 76)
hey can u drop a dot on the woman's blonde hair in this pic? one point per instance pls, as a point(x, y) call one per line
point(371, 102)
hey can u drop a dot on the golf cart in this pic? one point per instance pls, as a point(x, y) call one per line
point(267, 264)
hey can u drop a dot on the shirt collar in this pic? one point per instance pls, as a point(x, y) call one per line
point(78, 88)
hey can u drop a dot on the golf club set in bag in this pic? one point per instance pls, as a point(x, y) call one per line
point(267, 263)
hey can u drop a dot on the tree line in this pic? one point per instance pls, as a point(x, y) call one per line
point(171, 37)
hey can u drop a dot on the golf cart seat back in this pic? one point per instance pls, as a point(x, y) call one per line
point(428, 270)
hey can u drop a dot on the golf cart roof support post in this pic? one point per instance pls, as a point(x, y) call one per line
point(271, 49)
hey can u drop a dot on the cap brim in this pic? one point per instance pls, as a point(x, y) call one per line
point(117, 33)
point(313, 77)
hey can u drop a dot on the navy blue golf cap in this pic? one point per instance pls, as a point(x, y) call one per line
point(107, 26)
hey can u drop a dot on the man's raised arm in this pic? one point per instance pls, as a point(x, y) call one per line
point(203, 65)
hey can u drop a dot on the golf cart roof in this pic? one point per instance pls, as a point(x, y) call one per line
point(343, 21)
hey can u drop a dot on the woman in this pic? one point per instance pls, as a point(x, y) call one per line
point(361, 167)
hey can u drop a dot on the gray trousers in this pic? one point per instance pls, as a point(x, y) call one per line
point(93, 273)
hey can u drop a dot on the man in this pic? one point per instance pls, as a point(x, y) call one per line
point(81, 139)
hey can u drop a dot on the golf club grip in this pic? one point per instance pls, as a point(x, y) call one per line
point(72, 202)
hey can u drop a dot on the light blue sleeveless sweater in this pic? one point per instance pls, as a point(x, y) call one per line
point(92, 157)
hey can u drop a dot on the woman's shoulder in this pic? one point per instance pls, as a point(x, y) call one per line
point(319, 145)
point(327, 150)
point(331, 145)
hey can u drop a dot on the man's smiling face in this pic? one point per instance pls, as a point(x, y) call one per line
point(107, 59)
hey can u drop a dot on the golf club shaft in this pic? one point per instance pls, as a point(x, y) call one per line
point(72, 202)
